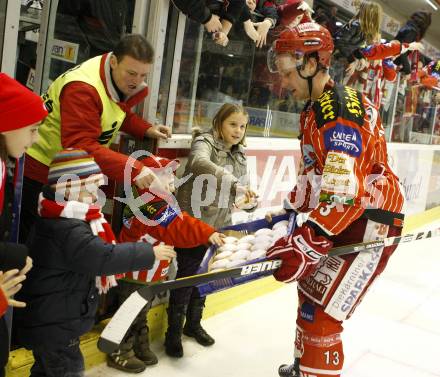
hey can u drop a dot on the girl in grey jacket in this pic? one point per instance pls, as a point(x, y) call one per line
point(217, 169)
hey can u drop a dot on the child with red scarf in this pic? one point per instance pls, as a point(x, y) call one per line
point(75, 255)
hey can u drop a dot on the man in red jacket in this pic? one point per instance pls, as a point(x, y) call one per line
point(87, 106)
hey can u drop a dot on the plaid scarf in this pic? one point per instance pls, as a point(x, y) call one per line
point(91, 214)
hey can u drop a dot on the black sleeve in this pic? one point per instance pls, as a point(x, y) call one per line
point(348, 38)
point(234, 10)
point(407, 34)
point(87, 253)
point(245, 15)
point(194, 9)
point(403, 61)
point(268, 10)
point(12, 256)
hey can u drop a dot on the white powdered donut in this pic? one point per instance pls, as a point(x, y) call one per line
point(263, 231)
point(249, 238)
point(240, 254)
point(229, 240)
point(244, 245)
point(261, 246)
point(221, 263)
point(223, 255)
point(235, 263)
point(227, 247)
point(263, 239)
point(257, 254)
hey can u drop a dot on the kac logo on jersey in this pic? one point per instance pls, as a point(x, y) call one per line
point(344, 139)
point(167, 216)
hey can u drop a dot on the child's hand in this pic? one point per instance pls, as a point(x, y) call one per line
point(251, 31)
point(416, 46)
point(217, 239)
point(270, 214)
point(221, 38)
point(10, 284)
point(164, 252)
point(262, 29)
point(213, 24)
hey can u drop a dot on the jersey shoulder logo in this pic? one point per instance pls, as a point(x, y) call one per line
point(340, 101)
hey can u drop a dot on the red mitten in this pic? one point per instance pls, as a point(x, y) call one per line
point(300, 252)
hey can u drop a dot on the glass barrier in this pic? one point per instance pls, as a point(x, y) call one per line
point(3, 5)
point(83, 30)
point(211, 75)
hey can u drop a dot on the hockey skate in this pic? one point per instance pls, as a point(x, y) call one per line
point(291, 370)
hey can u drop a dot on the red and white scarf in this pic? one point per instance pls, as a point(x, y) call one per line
point(87, 212)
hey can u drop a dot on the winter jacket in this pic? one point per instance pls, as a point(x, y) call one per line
point(264, 9)
point(12, 255)
point(408, 33)
point(60, 290)
point(348, 38)
point(210, 157)
point(201, 11)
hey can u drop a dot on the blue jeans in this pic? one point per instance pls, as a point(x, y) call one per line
point(62, 362)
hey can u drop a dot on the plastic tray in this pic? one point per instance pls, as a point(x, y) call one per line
point(222, 284)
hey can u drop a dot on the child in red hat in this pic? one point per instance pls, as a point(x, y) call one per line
point(159, 221)
point(21, 112)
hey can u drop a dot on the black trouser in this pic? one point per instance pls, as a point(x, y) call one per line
point(4, 345)
point(63, 362)
point(29, 207)
point(188, 262)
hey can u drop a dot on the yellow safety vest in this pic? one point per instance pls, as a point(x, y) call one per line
point(112, 116)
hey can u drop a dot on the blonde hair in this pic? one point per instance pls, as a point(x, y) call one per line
point(370, 18)
point(223, 113)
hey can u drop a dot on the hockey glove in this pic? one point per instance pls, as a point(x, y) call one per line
point(300, 252)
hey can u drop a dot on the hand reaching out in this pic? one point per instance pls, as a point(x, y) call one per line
point(262, 30)
point(214, 24)
point(164, 252)
point(221, 38)
point(250, 30)
point(158, 131)
point(10, 284)
point(217, 239)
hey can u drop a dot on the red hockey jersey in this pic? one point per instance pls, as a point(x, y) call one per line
point(344, 167)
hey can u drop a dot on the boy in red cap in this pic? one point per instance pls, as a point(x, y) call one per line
point(21, 112)
point(76, 256)
point(160, 221)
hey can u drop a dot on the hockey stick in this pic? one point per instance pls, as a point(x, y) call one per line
point(114, 332)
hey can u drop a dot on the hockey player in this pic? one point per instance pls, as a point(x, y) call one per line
point(162, 223)
point(348, 191)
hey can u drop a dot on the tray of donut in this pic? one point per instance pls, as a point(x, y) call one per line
point(245, 243)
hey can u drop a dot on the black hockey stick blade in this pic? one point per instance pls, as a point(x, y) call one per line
point(114, 332)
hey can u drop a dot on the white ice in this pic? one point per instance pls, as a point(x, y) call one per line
point(395, 331)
